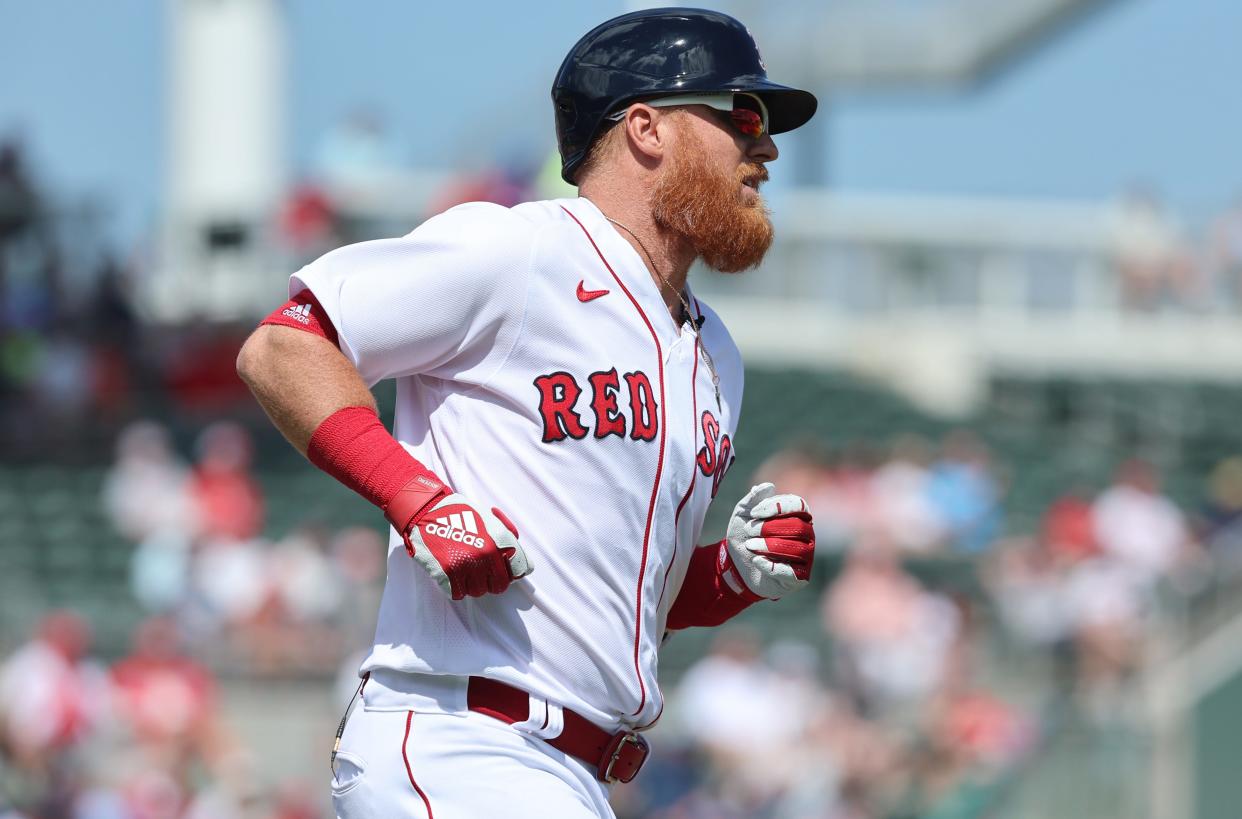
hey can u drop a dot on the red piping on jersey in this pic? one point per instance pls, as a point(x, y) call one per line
point(694, 473)
point(694, 476)
point(409, 717)
point(655, 488)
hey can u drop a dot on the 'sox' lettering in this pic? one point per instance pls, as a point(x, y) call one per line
point(716, 455)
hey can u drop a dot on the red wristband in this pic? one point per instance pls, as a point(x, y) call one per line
point(706, 598)
point(353, 446)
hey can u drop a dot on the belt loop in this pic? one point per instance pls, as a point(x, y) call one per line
point(546, 719)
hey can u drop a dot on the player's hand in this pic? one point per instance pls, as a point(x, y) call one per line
point(467, 551)
point(770, 543)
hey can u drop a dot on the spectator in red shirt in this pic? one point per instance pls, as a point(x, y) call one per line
point(52, 695)
point(167, 700)
point(1068, 528)
point(229, 500)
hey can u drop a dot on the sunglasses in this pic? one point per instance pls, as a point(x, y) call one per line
point(747, 113)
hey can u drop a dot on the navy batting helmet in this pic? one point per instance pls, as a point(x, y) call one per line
point(661, 52)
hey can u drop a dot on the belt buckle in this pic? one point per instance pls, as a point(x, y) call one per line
point(615, 749)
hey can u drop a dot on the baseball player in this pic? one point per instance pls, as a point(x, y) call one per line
point(565, 412)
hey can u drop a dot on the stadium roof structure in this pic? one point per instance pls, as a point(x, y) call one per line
point(901, 42)
point(953, 41)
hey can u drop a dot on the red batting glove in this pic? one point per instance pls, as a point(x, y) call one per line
point(467, 552)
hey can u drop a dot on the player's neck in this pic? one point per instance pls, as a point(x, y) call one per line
point(667, 256)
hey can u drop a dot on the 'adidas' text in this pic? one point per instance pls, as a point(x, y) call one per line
point(454, 528)
point(300, 312)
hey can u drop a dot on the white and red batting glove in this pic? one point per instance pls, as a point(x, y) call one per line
point(467, 551)
point(770, 544)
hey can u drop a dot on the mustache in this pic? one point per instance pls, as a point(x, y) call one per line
point(757, 174)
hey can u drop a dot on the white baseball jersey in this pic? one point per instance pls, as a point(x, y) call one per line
point(538, 370)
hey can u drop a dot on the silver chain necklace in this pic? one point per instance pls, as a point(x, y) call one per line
point(698, 336)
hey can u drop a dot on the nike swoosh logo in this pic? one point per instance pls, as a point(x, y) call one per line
point(585, 295)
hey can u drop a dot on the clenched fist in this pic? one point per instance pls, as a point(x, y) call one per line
point(770, 544)
point(467, 551)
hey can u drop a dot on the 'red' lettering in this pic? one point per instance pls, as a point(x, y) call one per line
point(558, 392)
point(608, 421)
point(642, 407)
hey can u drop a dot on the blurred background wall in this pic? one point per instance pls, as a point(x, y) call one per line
point(997, 346)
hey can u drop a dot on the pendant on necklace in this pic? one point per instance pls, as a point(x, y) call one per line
point(711, 368)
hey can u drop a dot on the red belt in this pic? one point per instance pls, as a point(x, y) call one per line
point(616, 757)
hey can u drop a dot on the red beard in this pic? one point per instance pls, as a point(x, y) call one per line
point(705, 205)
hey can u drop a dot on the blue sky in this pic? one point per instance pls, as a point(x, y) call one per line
point(1142, 90)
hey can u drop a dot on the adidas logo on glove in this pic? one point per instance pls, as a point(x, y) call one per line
point(458, 527)
point(494, 559)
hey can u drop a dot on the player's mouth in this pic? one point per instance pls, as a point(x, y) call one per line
point(755, 178)
point(750, 186)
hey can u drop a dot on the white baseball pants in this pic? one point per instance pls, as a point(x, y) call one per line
point(403, 764)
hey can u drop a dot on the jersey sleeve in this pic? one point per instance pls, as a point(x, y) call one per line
point(446, 299)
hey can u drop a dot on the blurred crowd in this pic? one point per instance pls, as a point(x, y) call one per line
point(913, 498)
point(766, 732)
point(142, 738)
point(77, 360)
point(917, 696)
point(346, 194)
point(1162, 263)
point(882, 712)
point(295, 605)
point(887, 697)
point(78, 356)
point(64, 351)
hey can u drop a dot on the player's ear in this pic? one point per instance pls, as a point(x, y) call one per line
point(646, 130)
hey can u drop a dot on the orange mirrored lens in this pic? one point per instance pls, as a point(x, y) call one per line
point(748, 122)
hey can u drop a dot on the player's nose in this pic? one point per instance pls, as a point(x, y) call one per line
point(762, 149)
